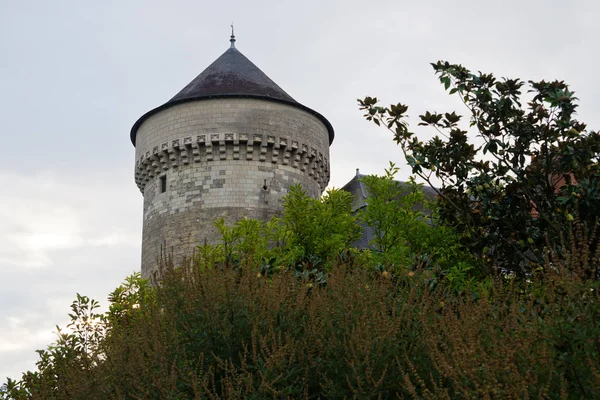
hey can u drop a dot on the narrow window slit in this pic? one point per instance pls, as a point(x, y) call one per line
point(163, 183)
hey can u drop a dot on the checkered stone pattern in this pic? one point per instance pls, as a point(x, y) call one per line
point(222, 158)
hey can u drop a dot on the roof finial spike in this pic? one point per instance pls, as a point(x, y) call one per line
point(232, 40)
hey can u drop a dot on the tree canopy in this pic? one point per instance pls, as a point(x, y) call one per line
point(514, 178)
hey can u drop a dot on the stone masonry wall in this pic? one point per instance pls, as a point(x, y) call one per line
point(222, 158)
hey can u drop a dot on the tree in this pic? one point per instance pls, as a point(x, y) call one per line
point(317, 228)
point(534, 170)
point(308, 238)
point(406, 233)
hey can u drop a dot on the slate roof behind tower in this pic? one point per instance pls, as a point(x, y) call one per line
point(232, 75)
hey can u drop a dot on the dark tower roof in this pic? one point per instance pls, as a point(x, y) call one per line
point(231, 75)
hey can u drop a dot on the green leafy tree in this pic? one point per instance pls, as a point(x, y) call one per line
point(391, 210)
point(67, 365)
point(533, 170)
point(308, 237)
point(243, 243)
point(127, 299)
point(407, 233)
point(316, 229)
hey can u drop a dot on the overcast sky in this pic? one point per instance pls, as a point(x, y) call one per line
point(75, 76)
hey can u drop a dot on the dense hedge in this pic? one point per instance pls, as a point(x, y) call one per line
point(228, 332)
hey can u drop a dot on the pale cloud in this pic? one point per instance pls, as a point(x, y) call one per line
point(16, 336)
point(43, 214)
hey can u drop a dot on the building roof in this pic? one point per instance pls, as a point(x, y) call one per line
point(232, 75)
point(360, 192)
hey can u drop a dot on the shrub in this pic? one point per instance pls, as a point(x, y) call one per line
point(308, 239)
point(223, 332)
point(407, 232)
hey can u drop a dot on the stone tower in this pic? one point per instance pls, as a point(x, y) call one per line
point(228, 145)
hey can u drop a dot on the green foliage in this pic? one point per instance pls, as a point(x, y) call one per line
point(531, 171)
point(406, 232)
point(68, 363)
point(307, 239)
point(244, 243)
point(316, 229)
point(125, 300)
point(390, 210)
point(215, 332)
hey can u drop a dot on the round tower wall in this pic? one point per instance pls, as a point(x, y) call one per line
point(229, 158)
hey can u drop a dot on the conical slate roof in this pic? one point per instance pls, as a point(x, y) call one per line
point(231, 75)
